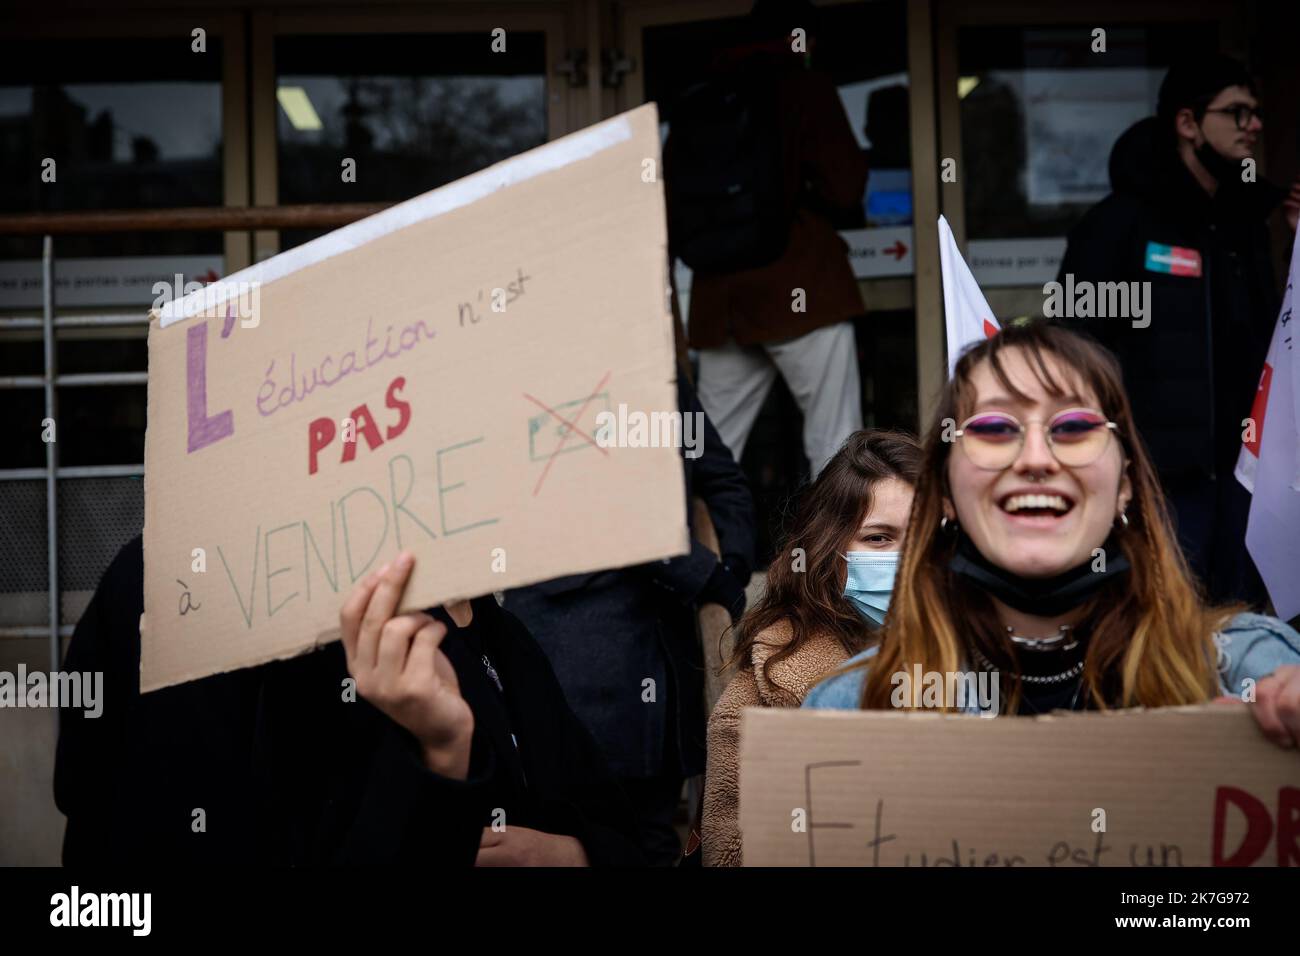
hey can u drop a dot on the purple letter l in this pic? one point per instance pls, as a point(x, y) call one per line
point(203, 430)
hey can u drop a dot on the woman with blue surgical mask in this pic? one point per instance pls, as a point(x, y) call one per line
point(826, 592)
point(872, 558)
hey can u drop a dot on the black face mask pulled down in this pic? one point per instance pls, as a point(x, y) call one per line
point(1217, 165)
point(1042, 597)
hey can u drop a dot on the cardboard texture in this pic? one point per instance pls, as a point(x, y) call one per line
point(1192, 786)
point(474, 429)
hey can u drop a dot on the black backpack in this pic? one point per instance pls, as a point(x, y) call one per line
point(725, 175)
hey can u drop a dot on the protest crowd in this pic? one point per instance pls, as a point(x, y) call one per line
point(1069, 522)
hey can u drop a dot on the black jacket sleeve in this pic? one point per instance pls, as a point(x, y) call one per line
point(715, 477)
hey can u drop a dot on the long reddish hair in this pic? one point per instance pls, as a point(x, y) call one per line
point(1151, 635)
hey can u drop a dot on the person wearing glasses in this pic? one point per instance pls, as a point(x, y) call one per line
point(1040, 550)
point(1187, 214)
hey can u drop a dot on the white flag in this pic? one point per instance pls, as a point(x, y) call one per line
point(1270, 465)
point(965, 312)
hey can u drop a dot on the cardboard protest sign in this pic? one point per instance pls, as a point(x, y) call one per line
point(427, 379)
point(1188, 786)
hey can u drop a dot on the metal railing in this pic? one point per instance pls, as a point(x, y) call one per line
point(49, 225)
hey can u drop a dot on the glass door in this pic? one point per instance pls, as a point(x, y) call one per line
point(1031, 101)
point(378, 107)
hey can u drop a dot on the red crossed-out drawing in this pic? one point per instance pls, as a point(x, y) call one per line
point(571, 428)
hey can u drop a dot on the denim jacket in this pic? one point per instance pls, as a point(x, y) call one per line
point(1252, 646)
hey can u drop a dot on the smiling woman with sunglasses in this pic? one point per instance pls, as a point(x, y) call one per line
point(1039, 548)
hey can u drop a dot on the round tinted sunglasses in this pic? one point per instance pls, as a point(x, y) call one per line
point(1076, 437)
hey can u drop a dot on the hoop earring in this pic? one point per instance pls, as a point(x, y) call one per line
point(947, 525)
point(1123, 520)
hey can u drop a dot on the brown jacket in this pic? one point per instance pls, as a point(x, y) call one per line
point(792, 678)
point(755, 305)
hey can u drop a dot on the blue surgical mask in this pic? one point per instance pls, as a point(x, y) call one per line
point(870, 581)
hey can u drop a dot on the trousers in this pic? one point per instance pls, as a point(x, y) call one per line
point(821, 370)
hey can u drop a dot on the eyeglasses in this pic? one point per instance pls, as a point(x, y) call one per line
point(1076, 436)
point(1241, 114)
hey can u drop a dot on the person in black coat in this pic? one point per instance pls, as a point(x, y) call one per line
point(1181, 218)
point(159, 778)
point(291, 765)
point(434, 739)
point(625, 647)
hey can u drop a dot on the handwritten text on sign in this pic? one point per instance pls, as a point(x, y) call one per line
point(1173, 787)
point(421, 380)
point(365, 521)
